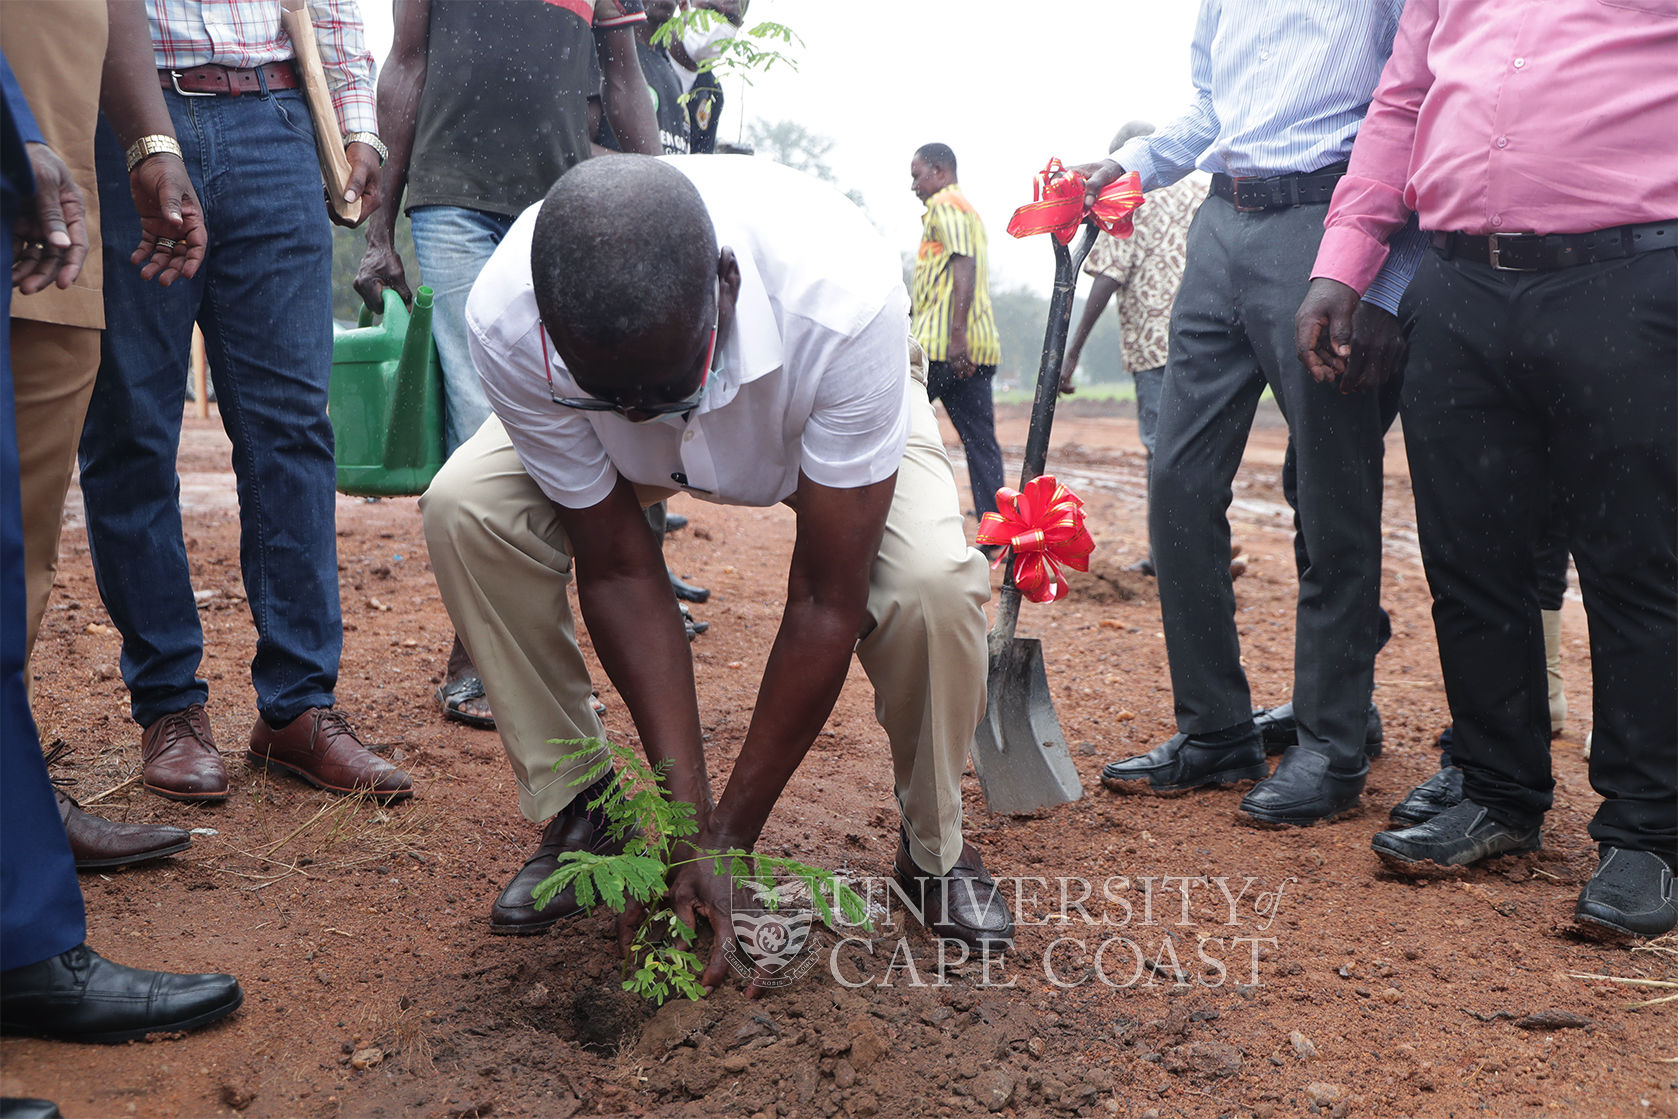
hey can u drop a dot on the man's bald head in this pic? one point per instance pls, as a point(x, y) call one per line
point(1129, 132)
point(624, 260)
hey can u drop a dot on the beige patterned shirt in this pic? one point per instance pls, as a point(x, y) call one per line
point(1148, 266)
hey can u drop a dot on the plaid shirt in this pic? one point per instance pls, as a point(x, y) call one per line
point(246, 33)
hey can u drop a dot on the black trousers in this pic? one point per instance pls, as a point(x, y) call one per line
point(1520, 386)
point(967, 401)
point(1231, 336)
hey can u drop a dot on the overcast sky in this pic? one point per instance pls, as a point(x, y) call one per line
point(1005, 85)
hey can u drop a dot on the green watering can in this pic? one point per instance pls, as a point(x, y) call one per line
point(386, 401)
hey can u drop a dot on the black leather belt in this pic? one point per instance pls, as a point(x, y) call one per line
point(1534, 252)
point(1251, 196)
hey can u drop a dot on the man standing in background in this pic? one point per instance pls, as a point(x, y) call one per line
point(1144, 271)
point(484, 104)
point(951, 317)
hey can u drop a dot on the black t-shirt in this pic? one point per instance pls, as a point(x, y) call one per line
point(704, 109)
point(504, 111)
point(666, 90)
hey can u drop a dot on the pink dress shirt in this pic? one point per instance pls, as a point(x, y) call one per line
point(1509, 116)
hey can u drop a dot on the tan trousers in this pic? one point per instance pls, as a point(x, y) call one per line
point(503, 563)
point(53, 368)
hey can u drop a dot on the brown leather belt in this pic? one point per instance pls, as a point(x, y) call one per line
point(210, 79)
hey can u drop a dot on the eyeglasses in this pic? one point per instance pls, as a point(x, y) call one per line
point(640, 413)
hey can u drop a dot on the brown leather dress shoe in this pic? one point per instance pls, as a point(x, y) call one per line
point(98, 843)
point(515, 912)
point(180, 760)
point(323, 749)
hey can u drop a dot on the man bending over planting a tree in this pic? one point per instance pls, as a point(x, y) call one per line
point(738, 331)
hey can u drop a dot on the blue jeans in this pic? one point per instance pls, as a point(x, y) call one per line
point(967, 401)
point(1149, 382)
point(1148, 385)
point(263, 299)
point(453, 244)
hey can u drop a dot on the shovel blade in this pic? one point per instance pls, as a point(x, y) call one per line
point(1018, 750)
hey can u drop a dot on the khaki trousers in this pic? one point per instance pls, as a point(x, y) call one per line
point(53, 367)
point(503, 563)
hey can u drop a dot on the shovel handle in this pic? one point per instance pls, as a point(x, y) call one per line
point(1067, 262)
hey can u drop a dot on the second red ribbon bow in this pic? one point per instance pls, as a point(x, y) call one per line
point(1044, 525)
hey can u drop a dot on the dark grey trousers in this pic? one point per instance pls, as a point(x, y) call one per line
point(1231, 335)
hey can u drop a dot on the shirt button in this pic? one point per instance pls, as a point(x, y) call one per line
point(1264, 54)
point(1497, 219)
point(1520, 63)
point(687, 436)
point(1503, 141)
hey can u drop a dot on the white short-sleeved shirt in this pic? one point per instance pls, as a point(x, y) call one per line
point(814, 375)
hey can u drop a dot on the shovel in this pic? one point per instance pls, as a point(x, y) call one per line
point(1018, 750)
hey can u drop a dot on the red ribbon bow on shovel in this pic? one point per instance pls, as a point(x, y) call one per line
point(1058, 205)
point(1044, 525)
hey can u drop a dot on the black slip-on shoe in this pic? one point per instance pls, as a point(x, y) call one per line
point(1630, 895)
point(1280, 729)
point(1441, 791)
point(1305, 790)
point(1182, 763)
point(1459, 836)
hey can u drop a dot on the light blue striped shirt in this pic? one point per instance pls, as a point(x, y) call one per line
point(1280, 87)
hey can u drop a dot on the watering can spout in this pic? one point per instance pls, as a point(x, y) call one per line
point(386, 400)
point(406, 447)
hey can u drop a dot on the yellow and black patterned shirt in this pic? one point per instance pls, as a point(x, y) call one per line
point(952, 227)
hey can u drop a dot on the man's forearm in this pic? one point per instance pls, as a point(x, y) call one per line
point(400, 84)
point(629, 108)
point(130, 96)
point(637, 633)
point(1101, 290)
point(801, 683)
point(964, 280)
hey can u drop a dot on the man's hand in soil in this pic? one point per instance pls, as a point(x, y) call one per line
point(49, 241)
point(172, 234)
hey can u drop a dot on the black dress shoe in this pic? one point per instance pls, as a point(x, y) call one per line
point(1182, 763)
point(1441, 791)
point(515, 912)
point(1279, 729)
point(1630, 895)
point(81, 996)
point(29, 1109)
point(1458, 836)
point(685, 591)
point(1305, 790)
point(961, 904)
